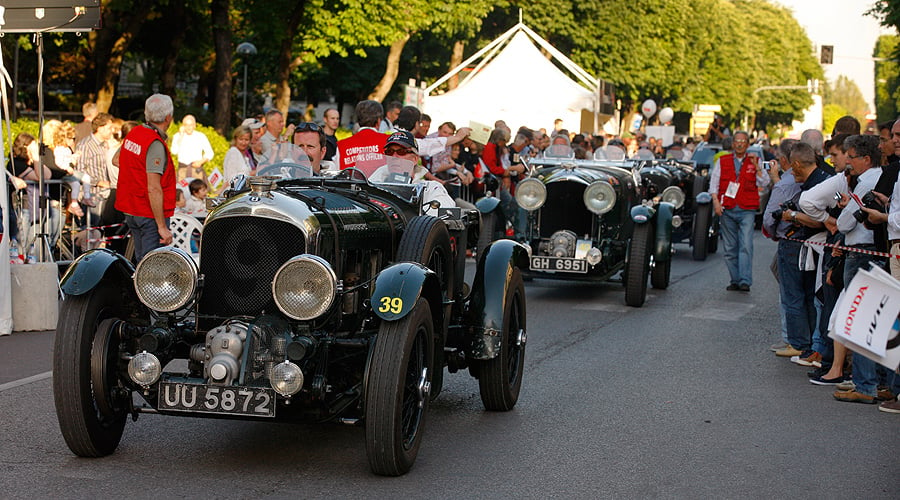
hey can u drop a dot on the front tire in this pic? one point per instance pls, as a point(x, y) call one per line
point(500, 378)
point(714, 238)
point(488, 231)
point(397, 392)
point(660, 274)
point(701, 232)
point(638, 266)
point(427, 241)
point(89, 404)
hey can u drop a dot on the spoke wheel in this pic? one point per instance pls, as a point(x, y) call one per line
point(500, 378)
point(638, 266)
point(398, 391)
point(85, 354)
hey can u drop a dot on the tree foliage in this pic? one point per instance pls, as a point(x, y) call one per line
point(830, 115)
point(678, 52)
point(887, 78)
point(845, 93)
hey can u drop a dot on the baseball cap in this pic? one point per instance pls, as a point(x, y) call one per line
point(252, 123)
point(403, 138)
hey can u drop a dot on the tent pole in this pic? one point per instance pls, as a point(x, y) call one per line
point(582, 75)
point(474, 56)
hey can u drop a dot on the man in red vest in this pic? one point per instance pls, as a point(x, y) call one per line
point(734, 185)
point(146, 189)
point(363, 149)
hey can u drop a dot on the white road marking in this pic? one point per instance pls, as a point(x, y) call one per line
point(26, 380)
point(732, 311)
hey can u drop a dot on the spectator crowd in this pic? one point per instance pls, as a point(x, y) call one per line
point(833, 206)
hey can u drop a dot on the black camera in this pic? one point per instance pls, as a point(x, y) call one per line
point(788, 205)
point(869, 201)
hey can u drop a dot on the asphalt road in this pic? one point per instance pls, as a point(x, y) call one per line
point(680, 398)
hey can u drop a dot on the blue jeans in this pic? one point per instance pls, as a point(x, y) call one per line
point(737, 242)
point(144, 235)
point(797, 293)
point(864, 369)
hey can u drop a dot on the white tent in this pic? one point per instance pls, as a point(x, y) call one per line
point(515, 82)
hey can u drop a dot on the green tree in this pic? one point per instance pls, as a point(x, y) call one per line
point(887, 12)
point(830, 114)
point(845, 93)
point(887, 78)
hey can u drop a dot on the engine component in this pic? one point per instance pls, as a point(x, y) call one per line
point(224, 346)
point(561, 244)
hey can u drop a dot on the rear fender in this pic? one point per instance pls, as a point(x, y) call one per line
point(485, 307)
point(93, 266)
point(398, 287)
point(662, 249)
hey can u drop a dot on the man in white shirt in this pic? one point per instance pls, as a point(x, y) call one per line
point(192, 148)
point(864, 156)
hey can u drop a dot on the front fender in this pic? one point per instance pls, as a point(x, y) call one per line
point(489, 289)
point(487, 204)
point(641, 214)
point(664, 215)
point(91, 267)
point(704, 198)
point(399, 286)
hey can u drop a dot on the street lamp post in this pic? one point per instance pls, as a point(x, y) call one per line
point(246, 49)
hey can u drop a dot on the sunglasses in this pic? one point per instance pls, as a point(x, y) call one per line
point(396, 151)
point(307, 127)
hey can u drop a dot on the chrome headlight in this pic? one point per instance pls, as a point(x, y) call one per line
point(166, 279)
point(600, 197)
point(286, 378)
point(531, 194)
point(673, 195)
point(304, 287)
point(144, 369)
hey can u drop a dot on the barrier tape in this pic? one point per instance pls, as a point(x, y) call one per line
point(106, 227)
point(845, 248)
point(110, 238)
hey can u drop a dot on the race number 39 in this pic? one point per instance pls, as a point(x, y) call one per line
point(391, 304)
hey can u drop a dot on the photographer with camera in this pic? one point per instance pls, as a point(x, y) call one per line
point(797, 276)
point(821, 203)
point(864, 155)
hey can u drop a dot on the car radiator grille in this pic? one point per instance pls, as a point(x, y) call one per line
point(564, 209)
point(240, 256)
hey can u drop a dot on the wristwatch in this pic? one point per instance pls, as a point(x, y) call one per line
point(793, 216)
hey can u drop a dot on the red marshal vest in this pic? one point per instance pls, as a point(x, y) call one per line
point(131, 194)
point(365, 145)
point(748, 194)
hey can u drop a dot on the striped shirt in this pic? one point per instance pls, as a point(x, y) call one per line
point(91, 158)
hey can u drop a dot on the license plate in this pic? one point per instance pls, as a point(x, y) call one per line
point(558, 264)
point(200, 398)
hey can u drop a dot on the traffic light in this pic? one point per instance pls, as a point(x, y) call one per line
point(827, 54)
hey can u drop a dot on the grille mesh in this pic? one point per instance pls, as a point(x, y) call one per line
point(240, 257)
point(564, 209)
